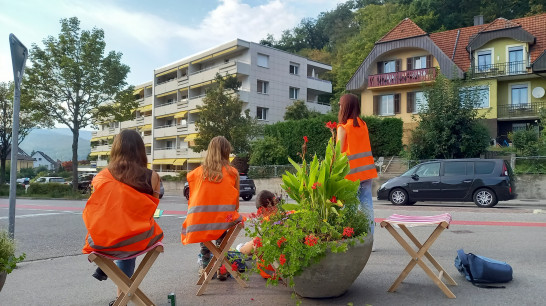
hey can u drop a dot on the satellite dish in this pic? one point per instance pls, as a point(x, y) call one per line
point(538, 92)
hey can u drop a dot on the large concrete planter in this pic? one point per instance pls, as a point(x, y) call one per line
point(335, 273)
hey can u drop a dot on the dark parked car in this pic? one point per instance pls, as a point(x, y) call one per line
point(484, 181)
point(247, 189)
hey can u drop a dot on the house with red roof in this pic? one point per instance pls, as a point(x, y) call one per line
point(505, 58)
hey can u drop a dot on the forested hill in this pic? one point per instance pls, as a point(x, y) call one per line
point(343, 37)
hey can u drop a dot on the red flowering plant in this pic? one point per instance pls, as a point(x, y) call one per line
point(322, 215)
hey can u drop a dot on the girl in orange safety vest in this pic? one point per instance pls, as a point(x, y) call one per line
point(214, 199)
point(119, 214)
point(352, 135)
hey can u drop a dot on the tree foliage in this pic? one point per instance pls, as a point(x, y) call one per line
point(29, 117)
point(298, 110)
point(268, 151)
point(449, 125)
point(222, 115)
point(71, 76)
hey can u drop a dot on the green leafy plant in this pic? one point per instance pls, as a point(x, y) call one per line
point(324, 218)
point(8, 260)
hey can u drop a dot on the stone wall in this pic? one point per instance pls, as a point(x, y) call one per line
point(528, 186)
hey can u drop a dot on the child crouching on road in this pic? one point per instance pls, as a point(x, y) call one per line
point(266, 203)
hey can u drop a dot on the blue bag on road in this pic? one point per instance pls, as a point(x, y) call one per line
point(479, 269)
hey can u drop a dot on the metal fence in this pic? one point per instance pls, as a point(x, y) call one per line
point(394, 166)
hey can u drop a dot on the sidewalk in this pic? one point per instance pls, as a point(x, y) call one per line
point(67, 280)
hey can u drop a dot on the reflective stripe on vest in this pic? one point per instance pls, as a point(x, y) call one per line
point(358, 150)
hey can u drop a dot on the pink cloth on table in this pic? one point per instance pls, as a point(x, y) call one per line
point(410, 221)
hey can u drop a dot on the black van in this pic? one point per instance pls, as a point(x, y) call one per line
point(484, 181)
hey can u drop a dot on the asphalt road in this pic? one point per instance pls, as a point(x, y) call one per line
point(51, 233)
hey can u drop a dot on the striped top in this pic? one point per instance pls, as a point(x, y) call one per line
point(159, 243)
point(418, 220)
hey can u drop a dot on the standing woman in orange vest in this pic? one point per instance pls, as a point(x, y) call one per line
point(214, 199)
point(119, 214)
point(352, 135)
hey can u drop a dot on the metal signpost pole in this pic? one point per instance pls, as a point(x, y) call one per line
point(19, 54)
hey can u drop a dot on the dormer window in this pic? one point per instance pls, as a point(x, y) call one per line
point(388, 66)
point(484, 60)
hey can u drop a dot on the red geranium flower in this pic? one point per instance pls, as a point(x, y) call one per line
point(305, 139)
point(348, 232)
point(282, 259)
point(333, 199)
point(257, 242)
point(223, 270)
point(311, 240)
point(281, 241)
point(315, 185)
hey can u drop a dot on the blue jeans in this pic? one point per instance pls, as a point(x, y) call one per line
point(366, 204)
point(127, 266)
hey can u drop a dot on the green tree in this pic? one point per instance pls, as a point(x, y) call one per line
point(29, 117)
point(71, 77)
point(222, 115)
point(268, 151)
point(298, 110)
point(449, 124)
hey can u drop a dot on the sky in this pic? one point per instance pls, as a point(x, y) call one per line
point(151, 34)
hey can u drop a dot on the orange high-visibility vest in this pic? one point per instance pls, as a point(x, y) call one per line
point(119, 219)
point(212, 207)
point(358, 149)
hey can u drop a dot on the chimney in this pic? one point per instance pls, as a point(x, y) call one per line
point(478, 20)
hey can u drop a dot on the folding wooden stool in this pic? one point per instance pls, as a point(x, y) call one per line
point(129, 287)
point(403, 222)
point(219, 258)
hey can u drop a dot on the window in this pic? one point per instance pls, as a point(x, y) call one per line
point(168, 144)
point(294, 93)
point(420, 62)
point(454, 168)
point(386, 106)
point(263, 60)
point(294, 68)
point(427, 170)
point(261, 113)
point(389, 66)
point(39, 158)
point(420, 101)
point(519, 95)
point(484, 167)
point(519, 127)
point(484, 60)
point(263, 87)
point(515, 58)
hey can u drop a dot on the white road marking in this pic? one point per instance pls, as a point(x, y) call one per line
point(34, 215)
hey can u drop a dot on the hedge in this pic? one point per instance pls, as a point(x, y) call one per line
point(385, 135)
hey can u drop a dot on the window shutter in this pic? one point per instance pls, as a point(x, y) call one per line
point(397, 103)
point(409, 63)
point(376, 105)
point(398, 64)
point(410, 101)
point(429, 61)
point(379, 67)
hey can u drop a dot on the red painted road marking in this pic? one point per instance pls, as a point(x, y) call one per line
point(377, 220)
point(490, 223)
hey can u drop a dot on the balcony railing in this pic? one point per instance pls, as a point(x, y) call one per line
point(402, 77)
point(520, 110)
point(498, 69)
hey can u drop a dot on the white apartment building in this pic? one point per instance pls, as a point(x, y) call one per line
point(271, 81)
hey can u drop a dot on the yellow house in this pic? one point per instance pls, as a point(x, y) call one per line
point(505, 58)
point(23, 160)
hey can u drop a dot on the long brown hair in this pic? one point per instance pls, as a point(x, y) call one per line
point(217, 158)
point(349, 108)
point(128, 161)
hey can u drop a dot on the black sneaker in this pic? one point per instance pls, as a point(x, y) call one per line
point(100, 275)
